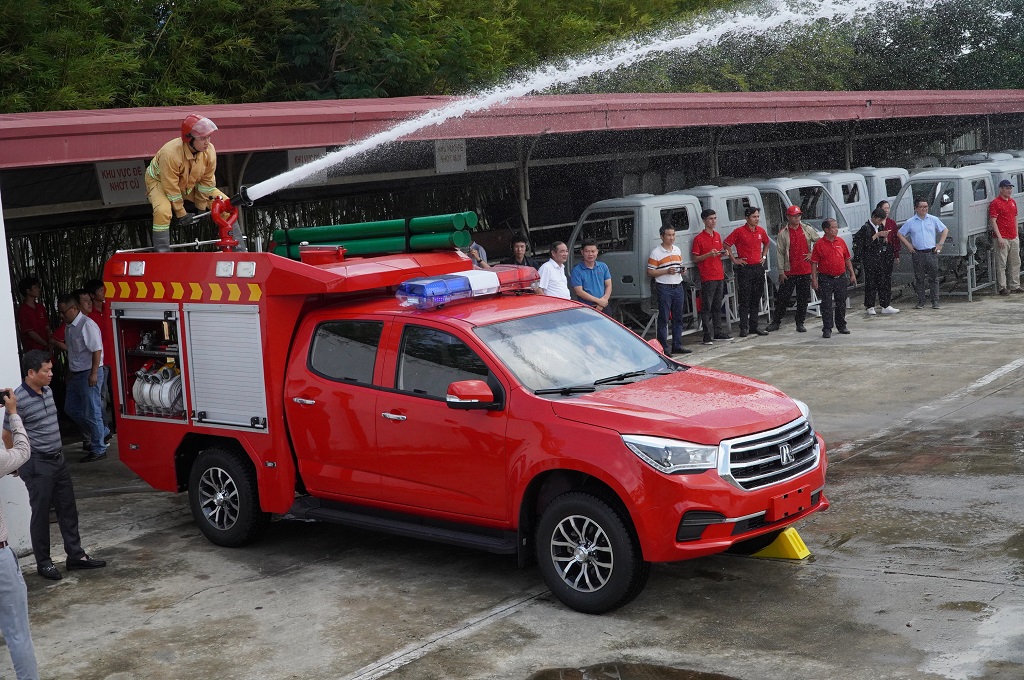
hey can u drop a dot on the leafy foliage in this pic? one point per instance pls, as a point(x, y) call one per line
point(81, 54)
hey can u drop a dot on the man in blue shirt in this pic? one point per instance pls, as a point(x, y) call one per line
point(923, 235)
point(590, 279)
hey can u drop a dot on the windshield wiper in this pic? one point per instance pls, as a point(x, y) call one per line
point(575, 389)
point(620, 376)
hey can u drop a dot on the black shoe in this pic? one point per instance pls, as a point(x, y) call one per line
point(800, 328)
point(85, 562)
point(48, 571)
point(92, 457)
point(707, 341)
point(760, 331)
point(106, 440)
point(844, 331)
point(774, 326)
point(935, 305)
point(919, 306)
point(723, 336)
point(743, 333)
point(681, 350)
point(826, 334)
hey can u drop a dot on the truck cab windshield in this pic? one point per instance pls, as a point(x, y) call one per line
point(569, 348)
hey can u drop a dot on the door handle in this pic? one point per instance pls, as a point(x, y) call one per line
point(392, 416)
point(300, 400)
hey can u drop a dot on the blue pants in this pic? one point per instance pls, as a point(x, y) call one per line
point(84, 405)
point(14, 617)
point(670, 303)
point(926, 273)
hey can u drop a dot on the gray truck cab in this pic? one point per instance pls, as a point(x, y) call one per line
point(627, 229)
point(883, 183)
point(850, 192)
point(729, 203)
point(1012, 170)
point(959, 197)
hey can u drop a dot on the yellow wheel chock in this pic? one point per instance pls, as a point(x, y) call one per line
point(788, 546)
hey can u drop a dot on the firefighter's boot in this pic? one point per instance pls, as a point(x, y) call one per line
point(162, 240)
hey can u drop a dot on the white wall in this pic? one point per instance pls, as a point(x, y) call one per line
point(13, 495)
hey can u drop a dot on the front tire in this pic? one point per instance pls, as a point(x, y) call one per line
point(587, 556)
point(224, 498)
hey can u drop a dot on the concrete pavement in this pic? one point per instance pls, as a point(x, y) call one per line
point(916, 569)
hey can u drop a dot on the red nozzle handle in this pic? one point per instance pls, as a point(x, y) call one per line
point(225, 215)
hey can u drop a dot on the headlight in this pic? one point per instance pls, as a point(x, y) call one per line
point(806, 410)
point(672, 455)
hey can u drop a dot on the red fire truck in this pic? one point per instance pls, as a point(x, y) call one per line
point(411, 394)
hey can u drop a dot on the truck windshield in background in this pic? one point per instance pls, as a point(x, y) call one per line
point(571, 347)
point(613, 230)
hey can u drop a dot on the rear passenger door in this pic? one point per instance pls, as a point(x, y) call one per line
point(431, 456)
point(330, 405)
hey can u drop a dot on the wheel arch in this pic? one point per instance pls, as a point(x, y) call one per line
point(550, 484)
point(193, 444)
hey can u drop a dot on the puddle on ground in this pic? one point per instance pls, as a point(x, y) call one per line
point(626, 671)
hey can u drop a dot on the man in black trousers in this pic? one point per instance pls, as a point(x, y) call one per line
point(46, 473)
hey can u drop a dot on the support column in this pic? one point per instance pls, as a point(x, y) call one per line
point(13, 494)
point(523, 177)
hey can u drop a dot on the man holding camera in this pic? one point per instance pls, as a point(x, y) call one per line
point(46, 473)
point(13, 593)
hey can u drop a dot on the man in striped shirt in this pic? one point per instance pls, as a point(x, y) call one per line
point(665, 267)
point(46, 473)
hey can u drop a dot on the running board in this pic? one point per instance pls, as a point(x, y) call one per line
point(466, 536)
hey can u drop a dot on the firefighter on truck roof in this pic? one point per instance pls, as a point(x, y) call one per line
point(183, 168)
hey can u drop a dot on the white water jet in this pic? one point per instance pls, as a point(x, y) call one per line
point(772, 16)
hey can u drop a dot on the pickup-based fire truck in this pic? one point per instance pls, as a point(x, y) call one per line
point(411, 394)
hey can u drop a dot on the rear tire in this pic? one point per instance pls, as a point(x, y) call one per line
point(224, 498)
point(587, 555)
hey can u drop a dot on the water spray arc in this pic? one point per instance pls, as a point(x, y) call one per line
point(767, 18)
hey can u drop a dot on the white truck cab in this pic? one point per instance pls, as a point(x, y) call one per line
point(627, 229)
point(850, 191)
point(960, 197)
point(728, 202)
point(883, 183)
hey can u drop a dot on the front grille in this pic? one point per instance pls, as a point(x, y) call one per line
point(758, 460)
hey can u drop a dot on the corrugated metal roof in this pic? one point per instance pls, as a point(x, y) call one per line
point(68, 137)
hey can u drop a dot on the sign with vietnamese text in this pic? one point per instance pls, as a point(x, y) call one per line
point(122, 182)
point(449, 155)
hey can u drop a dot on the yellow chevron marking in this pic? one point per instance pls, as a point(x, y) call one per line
point(177, 290)
point(255, 293)
point(158, 290)
point(233, 292)
point(108, 289)
point(215, 292)
point(126, 290)
point(141, 289)
point(197, 291)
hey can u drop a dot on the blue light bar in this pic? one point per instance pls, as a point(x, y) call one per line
point(433, 291)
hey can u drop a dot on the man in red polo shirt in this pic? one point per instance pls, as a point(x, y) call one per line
point(751, 244)
point(831, 272)
point(1002, 218)
point(33, 319)
point(707, 253)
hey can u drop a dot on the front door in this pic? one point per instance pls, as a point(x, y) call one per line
point(432, 456)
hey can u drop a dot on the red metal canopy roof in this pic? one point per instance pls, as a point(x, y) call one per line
point(68, 137)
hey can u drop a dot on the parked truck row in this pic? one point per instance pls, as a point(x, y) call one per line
point(627, 228)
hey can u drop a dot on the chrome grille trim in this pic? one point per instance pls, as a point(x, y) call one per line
point(758, 456)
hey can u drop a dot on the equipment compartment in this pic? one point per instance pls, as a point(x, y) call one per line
point(149, 361)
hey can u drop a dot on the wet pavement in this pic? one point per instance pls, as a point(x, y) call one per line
point(916, 569)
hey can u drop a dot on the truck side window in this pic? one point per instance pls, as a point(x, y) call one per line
point(980, 188)
point(893, 185)
point(851, 193)
point(432, 359)
point(736, 207)
point(677, 218)
point(345, 350)
point(613, 231)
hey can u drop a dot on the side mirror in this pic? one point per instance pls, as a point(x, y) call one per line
point(467, 395)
